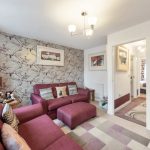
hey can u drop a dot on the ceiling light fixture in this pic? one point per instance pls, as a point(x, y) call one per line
point(85, 31)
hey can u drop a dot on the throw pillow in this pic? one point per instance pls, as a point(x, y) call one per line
point(9, 117)
point(12, 140)
point(72, 89)
point(61, 91)
point(46, 93)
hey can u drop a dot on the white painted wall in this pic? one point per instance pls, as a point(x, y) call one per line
point(135, 33)
point(95, 79)
point(122, 81)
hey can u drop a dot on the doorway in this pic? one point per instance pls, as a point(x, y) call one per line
point(130, 84)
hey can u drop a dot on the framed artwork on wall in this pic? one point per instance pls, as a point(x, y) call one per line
point(97, 61)
point(50, 56)
point(122, 59)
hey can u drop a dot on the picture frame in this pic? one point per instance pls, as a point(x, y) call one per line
point(97, 61)
point(122, 59)
point(50, 56)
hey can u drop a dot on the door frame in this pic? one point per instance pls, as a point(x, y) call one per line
point(111, 78)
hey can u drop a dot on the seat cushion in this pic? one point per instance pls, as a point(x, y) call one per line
point(40, 132)
point(58, 102)
point(64, 143)
point(78, 98)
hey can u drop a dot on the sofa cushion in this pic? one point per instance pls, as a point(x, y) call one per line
point(72, 89)
point(61, 91)
point(46, 93)
point(64, 143)
point(66, 84)
point(9, 117)
point(58, 102)
point(12, 140)
point(37, 88)
point(78, 98)
point(40, 132)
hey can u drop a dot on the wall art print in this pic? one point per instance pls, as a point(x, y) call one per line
point(97, 61)
point(122, 59)
point(19, 70)
point(50, 56)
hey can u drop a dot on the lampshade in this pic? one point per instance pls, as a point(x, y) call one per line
point(92, 20)
point(72, 28)
point(88, 32)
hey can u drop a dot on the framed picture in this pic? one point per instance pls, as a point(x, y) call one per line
point(122, 59)
point(50, 56)
point(97, 61)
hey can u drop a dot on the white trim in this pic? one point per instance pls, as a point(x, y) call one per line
point(135, 33)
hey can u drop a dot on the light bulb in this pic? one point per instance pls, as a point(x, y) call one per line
point(72, 28)
point(92, 20)
point(88, 32)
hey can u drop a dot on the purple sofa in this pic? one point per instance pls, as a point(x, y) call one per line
point(52, 105)
point(39, 131)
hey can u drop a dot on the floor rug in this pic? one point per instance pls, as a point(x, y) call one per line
point(134, 111)
point(101, 134)
point(138, 113)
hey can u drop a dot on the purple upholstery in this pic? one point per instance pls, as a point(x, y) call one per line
point(1, 146)
point(36, 98)
point(85, 92)
point(78, 98)
point(40, 132)
point(27, 113)
point(52, 105)
point(64, 143)
point(38, 129)
point(58, 102)
point(76, 113)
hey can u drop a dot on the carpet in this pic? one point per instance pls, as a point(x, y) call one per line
point(102, 134)
point(138, 113)
point(134, 111)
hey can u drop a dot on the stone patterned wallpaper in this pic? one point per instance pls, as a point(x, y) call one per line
point(20, 72)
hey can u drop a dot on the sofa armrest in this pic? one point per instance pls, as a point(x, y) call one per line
point(84, 92)
point(36, 98)
point(27, 113)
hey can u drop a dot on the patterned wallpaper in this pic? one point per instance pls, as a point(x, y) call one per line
point(20, 72)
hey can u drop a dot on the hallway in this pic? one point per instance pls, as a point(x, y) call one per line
point(134, 111)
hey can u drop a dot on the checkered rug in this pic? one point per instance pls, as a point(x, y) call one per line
point(102, 134)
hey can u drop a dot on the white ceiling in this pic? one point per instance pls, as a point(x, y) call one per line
point(47, 20)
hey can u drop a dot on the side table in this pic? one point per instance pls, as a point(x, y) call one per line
point(92, 94)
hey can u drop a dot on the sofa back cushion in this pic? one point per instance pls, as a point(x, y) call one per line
point(61, 91)
point(46, 93)
point(12, 140)
point(72, 89)
point(66, 84)
point(10, 117)
point(37, 87)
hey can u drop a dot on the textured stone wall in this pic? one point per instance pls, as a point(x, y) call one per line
point(20, 72)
